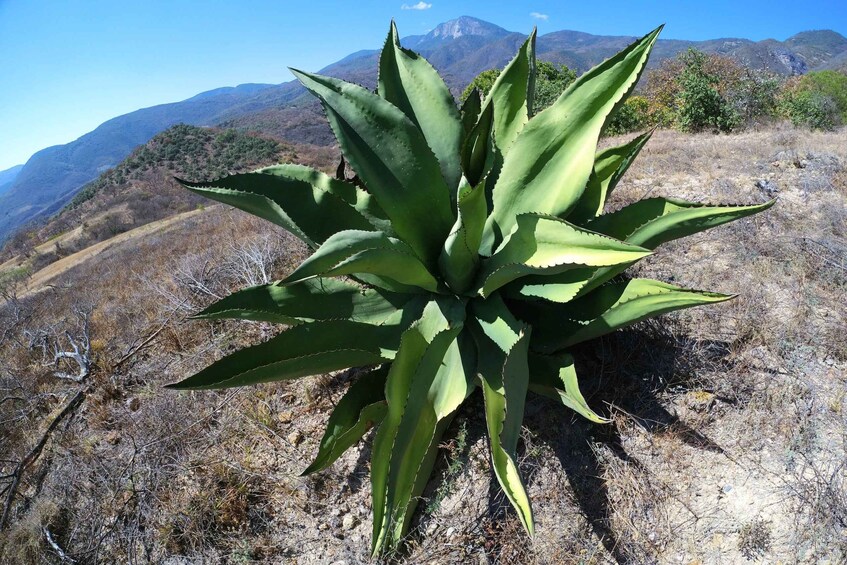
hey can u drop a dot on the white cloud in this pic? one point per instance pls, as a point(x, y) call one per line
point(419, 6)
point(539, 16)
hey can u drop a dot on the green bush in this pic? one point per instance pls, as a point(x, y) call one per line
point(817, 100)
point(701, 106)
point(633, 115)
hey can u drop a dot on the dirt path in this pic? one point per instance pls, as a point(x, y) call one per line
point(39, 279)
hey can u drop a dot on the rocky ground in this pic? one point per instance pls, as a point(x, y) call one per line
point(728, 442)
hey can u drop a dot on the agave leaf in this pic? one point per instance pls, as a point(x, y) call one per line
point(307, 301)
point(512, 96)
point(349, 191)
point(460, 258)
point(503, 345)
point(479, 153)
point(307, 349)
point(647, 223)
point(549, 164)
point(562, 287)
point(555, 377)
point(549, 245)
point(426, 383)
point(361, 407)
point(605, 309)
point(350, 252)
point(654, 221)
point(409, 82)
point(307, 203)
point(609, 166)
point(471, 108)
point(392, 158)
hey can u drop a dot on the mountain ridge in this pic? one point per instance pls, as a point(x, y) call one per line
point(459, 49)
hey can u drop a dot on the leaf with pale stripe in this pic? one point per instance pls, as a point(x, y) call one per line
point(392, 158)
point(408, 81)
point(512, 96)
point(307, 301)
point(305, 202)
point(503, 344)
point(351, 252)
point(549, 245)
point(609, 166)
point(426, 383)
point(460, 257)
point(610, 307)
point(308, 349)
point(548, 166)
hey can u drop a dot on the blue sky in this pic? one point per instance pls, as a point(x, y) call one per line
point(68, 65)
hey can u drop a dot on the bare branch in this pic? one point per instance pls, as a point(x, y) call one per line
point(35, 452)
point(56, 547)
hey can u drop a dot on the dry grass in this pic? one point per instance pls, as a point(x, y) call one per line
point(728, 441)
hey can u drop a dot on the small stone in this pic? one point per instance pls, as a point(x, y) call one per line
point(450, 531)
point(295, 437)
point(133, 404)
point(349, 522)
point(285, 416)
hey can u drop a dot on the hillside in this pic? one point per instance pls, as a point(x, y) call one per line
point(459, 49)
point(8, 176)
point(141, 189)
point(727, 443)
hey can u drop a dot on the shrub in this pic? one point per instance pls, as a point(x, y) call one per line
point(817, 100)
point(633, 115)
point(700, 92)
point(476, 259)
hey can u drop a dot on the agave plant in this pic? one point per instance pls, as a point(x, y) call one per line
point(471, 251)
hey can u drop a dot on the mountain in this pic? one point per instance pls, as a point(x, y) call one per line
point(8, 176)
point(459, 49)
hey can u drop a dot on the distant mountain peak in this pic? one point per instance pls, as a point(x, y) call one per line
point(463, 26)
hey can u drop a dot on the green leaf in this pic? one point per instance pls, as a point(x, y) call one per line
point(307, 349)
point(609, 166)
point(504, 376)
point(460, 258)
point(307, 203)
point(351, 252)
point(409, 82)
point(307, 301)
point(555, 377)
point(654, 221)
point(549, 164)
point(606, 309)
point(392, 158)
point(512, 96)
point(471, 108)
point(562, 287)
point(361, 407)
point(427, 382)
point(549, 245)
point(478, 150)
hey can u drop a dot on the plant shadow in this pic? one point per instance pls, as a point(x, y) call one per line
point(630, 371)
